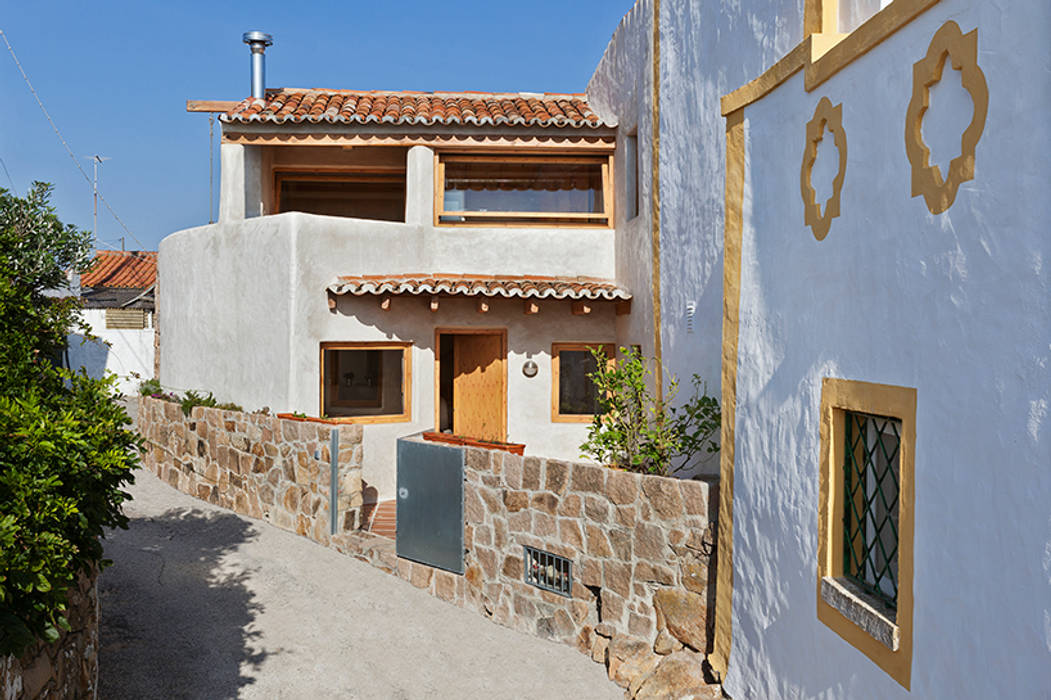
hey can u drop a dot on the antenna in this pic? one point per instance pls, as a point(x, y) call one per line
point(96, 160)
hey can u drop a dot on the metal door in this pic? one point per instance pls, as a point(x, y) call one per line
point(430, 504)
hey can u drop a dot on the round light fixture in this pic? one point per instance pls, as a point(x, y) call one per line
point(529, 369)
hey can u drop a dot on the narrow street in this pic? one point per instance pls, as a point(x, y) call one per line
point(203, 603)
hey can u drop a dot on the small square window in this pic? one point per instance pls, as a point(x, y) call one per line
point(574, 398)
point(366, 382)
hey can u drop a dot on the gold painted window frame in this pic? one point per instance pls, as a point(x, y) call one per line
point(837, 397)
point(556, 376)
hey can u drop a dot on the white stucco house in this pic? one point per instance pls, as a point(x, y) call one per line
point(117, 298)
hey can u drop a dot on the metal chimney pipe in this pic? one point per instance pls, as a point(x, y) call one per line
point(258, 41)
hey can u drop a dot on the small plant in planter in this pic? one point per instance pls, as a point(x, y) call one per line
point(636, 431)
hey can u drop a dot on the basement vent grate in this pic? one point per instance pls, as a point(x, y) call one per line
point(548, 571)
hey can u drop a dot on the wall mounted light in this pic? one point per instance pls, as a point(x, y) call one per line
point(530, 369)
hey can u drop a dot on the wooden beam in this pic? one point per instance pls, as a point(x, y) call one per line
point(331, 301)
point(598, 145)
point(531, 307)
point(434, 304)
point(624, 307)
point(385, 302)
point(483, 306)
point(581, 308)
point(210, 105)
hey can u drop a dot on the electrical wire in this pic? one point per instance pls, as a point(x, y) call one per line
point(62, 139)
point(9, 179)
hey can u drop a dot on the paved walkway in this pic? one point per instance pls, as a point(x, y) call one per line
point(204, 603)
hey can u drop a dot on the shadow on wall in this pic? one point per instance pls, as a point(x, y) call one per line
point(175, 622)
point(89, 354)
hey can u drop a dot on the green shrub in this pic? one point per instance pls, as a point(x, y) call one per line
point(65, 451)
point(150, 387)
point(635, 430)
point(192, 398)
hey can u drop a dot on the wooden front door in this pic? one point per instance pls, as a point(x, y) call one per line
point(479, 386)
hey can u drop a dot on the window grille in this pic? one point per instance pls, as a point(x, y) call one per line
point(548, 571)
point(131, 319)
point(870, 518)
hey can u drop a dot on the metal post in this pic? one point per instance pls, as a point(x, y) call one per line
point(333, 484)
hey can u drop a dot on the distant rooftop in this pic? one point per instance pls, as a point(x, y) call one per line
point(314, 106)
point(135, 269)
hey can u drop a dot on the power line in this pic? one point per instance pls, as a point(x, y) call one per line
point(60, 137)
point(9, 179)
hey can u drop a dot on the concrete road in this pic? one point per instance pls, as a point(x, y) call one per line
point(203, 603)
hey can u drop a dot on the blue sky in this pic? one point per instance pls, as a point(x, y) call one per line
point(116, 75)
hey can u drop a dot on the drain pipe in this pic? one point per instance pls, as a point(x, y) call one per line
point(333, 483)
point(257, 42)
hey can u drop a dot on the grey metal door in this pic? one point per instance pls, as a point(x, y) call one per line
point(430, 503)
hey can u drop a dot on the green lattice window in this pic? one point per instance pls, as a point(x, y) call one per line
point(870, 519)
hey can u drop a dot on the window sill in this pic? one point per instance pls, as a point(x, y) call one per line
point(874, 618)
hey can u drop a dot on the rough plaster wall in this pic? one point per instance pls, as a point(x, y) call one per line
point(707, 50)
point(124, 352)
point(955, 305)
point(621, 92)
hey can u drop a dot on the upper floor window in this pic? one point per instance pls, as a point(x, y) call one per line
point(361, 195)
point(522, 190)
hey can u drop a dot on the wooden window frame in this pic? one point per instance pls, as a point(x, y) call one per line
point(406, 380)
point(605, 219)
point(556, 348)
point(336, 174)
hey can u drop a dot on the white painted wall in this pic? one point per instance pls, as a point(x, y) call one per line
point(707, 49)
point(244, 308)
point(955, 305)
point(125, 352)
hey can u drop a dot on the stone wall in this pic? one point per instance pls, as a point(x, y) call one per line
point(255, 464)
point(69, 667)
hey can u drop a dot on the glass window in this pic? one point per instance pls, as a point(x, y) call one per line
point(364, 381)
point(505, 189)
point(575, 396)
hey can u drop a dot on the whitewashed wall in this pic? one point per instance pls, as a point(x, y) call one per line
point(127, 353)
point(707, 49)
point(955, 305)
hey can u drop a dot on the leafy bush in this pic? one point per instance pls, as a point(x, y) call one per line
point(150, 387)
point(65, 451)
point(192, 398)
point(635, 430)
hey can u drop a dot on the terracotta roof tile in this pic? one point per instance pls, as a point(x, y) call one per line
point(115, 268)
point(527, 286)
point(296, 106)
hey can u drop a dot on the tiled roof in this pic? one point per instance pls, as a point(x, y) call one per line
point(527, 286)
point(297, 106)
point(117, 268)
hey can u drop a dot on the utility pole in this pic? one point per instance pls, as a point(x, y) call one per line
point(95, 161)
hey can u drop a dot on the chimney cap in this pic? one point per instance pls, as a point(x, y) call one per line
point(257, 37)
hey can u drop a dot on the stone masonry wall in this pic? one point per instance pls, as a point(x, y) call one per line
point(255, 464)
point(69, 667)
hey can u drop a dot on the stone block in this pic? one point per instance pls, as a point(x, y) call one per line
point(649, 542)
point(588, 478)
point(478, 459)
point(544, 502)
point(524, 606)
point(556, 476)
point(421, 575)
point(571, 506)
point(596, 509)
point(679, 675)
point(617, 577)
point(558, 626)
point(694, 575)
point(663, 495)
point(544, 525)
point(621, 541)
point(515, 501)
point(512, 471)
point(570, 534)
point(531, 469)
point(611, 608)
point(499, 532)
point(483, 535)
point(599, 649)
point(597, 542)
point(654, 573)
point(590, 572)
point(584, 640)
point(694, 497)
point(520, 522)
point(486, 558)
point(685, 615)
point(622, 488)
point(512, 567)
point(665, 643)
point(473, 507)
point(629, 659)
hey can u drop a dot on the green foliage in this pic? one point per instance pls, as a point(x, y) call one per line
point(635, 430)
point(65, 451)
point(150, 387)
point(192, 398)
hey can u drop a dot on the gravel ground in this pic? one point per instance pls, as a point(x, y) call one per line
point(203, 603)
